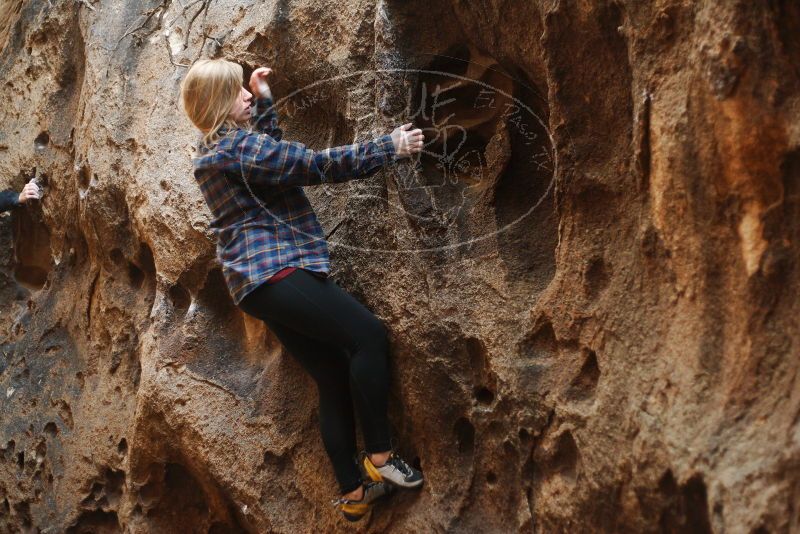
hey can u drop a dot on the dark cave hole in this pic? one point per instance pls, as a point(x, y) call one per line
point(174, 487)
point(477, 356)
point(180, 297)
point(687, 505)
point(484, 395)
point(84, 177)
point(41, 141)
point(491, 478)
point(135, 275)
point(465, 435)
point(142, 271)
point(524, 204)
point(95, 522)
point(145, 261)
point(23, 511)
point(51, 429)
point(32, 248)
point(122, 447)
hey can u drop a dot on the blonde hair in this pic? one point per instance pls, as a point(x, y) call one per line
point(208, 92)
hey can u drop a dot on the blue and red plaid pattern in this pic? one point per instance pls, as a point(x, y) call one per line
point(253, 184)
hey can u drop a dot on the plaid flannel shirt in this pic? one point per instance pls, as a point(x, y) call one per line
point(253, 184)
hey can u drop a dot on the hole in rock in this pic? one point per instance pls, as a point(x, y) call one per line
point(122, 447)
point(135, 275)
point(142, 271)
point(565, 459)
point(484, 395)
point(23, 512)
point(117, 257)
point(41, 141)
point(525, 216)
point(32, 249)
point(180, 297)
point(465, 435)
point(455, 164)
point(596, 277)
point(584, 384)
point(175, 488)
point(491, 478)
point(51, 429)
point(477, 356)
point(84, 177)
point(687, 505)
point(145, 260)
point(95, 522)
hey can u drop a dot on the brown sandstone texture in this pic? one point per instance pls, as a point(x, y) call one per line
point(590, 280)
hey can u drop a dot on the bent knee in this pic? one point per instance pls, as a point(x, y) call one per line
point(373, 334)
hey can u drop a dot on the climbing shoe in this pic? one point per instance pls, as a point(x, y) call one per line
point(395, 471)
point(353, 510)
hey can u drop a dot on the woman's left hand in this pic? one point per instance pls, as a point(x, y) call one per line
point(258, 82)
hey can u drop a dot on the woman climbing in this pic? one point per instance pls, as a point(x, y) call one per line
point(275, 262)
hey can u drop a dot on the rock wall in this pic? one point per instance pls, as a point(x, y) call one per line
point(590, 279)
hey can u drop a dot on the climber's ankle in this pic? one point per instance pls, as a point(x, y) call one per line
point(356, 495)
point(379, 458)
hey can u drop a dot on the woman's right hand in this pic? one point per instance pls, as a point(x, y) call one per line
point(407, 141)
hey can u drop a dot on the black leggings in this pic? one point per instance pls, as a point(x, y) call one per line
point(345, 348)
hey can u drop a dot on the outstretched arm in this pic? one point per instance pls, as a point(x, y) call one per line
point(262, 160)
point(10, 199)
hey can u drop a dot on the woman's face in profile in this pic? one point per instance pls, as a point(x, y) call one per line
point(241, 108)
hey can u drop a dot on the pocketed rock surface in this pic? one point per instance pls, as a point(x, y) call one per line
point(590, 279)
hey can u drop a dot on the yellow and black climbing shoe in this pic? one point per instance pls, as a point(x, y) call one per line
point(395, 471)
point(354, 510)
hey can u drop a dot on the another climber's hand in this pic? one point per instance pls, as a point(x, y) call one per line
point(407, 141)
point(31, 190)
point(258, 82)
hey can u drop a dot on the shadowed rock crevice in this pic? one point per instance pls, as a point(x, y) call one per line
point(32, 249)
point(585, 382)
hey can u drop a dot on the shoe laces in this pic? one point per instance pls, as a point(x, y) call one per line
point(399, 464)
